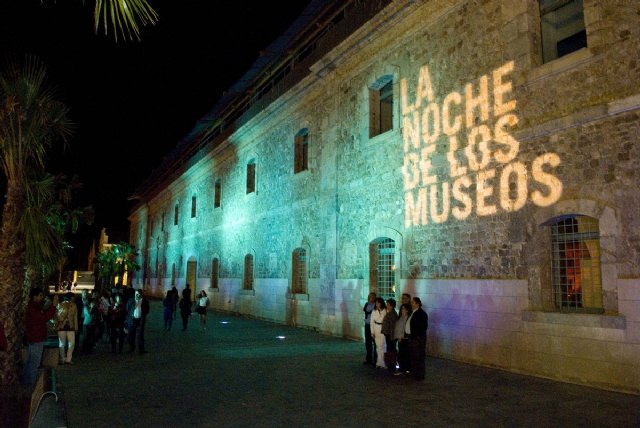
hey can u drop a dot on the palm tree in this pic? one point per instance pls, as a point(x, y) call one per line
point(123, 16)
point(115, 261)
point(31, 120)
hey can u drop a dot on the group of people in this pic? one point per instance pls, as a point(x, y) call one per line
point(396, 342)
point(172, 302)
point(80, 322)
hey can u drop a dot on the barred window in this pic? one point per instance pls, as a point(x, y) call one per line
point(562, 28)
point(247, 282)
point(577, 283)
point(299, 271)
point(382, 268)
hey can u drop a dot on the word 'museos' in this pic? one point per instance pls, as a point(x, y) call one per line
point(477, 172)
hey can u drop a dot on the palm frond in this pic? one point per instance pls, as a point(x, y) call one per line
point(123, 17)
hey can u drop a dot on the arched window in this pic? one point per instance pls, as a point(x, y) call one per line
point(577, 280)
point(215, 272)
point(382, 267)
point(193, 206)
point(247, 282)
point(175, 215)
point(173, 274)
point(299, 271)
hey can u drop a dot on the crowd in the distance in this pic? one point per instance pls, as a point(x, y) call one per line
point(396, 342)
point(82, 321)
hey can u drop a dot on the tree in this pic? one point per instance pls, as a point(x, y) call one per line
point(123, 16)
point(31, 120)
point(114, 261)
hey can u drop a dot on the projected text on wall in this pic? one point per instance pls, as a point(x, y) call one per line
point(461, 157)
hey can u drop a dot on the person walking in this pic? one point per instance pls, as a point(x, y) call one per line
point(201, 309)
point(137, 310)
point(66, 325)
point(36, 318)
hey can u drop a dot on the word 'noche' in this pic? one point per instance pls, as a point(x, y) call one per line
point(480, 153)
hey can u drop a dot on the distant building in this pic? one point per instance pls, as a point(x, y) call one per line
point(483, 156)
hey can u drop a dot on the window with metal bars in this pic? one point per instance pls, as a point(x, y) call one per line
point(247, 282)
point(215, 272)
point(577, 281)
point(382, 271)
point(299, 271)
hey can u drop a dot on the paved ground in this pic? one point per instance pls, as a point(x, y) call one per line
point(240, 374)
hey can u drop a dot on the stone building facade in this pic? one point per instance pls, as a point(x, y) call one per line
point(482, 155)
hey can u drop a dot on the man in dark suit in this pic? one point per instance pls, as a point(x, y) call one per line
point(416, 332)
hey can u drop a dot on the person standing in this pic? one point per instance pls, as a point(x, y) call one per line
point(117, 316)
point(176, 298)
point(137, 310)
point(388, 327)
point(67, 325)
point(201, 309)
point(36, 319)
point(185, 307)
point(416, 331)
point(404, 362)
point(377, 316)
point(169, 307)
point(368, 339)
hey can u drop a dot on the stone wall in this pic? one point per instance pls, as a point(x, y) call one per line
point(534, 141)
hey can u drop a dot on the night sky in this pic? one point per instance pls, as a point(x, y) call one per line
point(132, 101)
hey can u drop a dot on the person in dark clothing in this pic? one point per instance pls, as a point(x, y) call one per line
point(368, 338)
point(185, 307)
point(416, 332)
point(117, 315)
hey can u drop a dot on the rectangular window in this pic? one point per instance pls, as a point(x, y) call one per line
point(175, 215)
point(251, 177)
point(576, 264)
point(193, 207)
point(562, 28)
point(217, 193)
point(381, 107)
point(301, 152)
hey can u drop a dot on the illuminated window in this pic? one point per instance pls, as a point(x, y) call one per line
point(301, 151)
point(247, 282)
point(251, 176)
point(215, 272)
point(299, 271)
point(562, 28)
point(382, 267)
point(175, 215)
point(193, 206)
point(577, 283)
point(381, 106)
point(217, 193)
